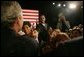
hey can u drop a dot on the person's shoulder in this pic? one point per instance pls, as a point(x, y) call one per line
point(75, 41)
point(80, 38)
point(26, 39)
point(39, 24)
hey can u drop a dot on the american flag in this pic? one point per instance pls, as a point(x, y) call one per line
point(31, 15)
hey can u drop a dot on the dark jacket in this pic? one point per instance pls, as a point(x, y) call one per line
point(14, 45)
point(43, 32)
point(69, 48)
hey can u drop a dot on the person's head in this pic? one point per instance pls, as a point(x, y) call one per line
point(42, 19)
point(62, 18)
point(59, 38)
point(50, 30)
point(75, 27)
point(75, 33)
point(11, 13)
point(53, 34)
point(57, 31)
point(62, 37)
point(26, 27)
point(35, 34)
point(80, 26)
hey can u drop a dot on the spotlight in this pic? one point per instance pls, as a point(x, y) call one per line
point(72, 6)
point(53, 3)
point(64, 5)
point(59, 5)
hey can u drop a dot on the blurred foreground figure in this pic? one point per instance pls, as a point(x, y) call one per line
point(12, 44)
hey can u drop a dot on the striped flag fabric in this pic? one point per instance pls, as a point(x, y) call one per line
point(31, 15)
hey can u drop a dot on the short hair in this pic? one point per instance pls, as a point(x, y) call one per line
point(27, 23)
point(62, 37)
point(41, 17)
point(10, 10)
point(78, 30)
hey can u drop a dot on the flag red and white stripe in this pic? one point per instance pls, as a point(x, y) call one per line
point(30, 15)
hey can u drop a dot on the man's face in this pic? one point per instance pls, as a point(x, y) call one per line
point(62, 18)
point(76, 33)
point(20, 21)
point(35, 34)
point(27, 29)
point(42, 19)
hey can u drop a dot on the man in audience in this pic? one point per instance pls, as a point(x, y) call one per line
point(42, 27)
point(11, 23)
point(63, 24)
point(75, 33)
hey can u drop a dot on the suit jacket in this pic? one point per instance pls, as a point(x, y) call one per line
point(43, 32)
point(14, 45)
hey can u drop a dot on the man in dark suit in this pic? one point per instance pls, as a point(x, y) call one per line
point(42, 27)
point(13, 44)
